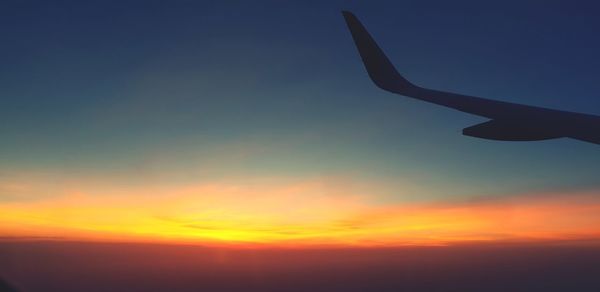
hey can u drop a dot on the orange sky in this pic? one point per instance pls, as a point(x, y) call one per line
point(288, 213)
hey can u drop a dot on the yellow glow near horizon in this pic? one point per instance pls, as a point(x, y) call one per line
point(306, 213)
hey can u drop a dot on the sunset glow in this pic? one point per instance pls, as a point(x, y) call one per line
point(292, 214)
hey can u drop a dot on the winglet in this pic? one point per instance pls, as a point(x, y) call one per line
point(379, 67)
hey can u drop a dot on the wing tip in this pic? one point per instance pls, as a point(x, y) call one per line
point(347, 13)
point(378, 66)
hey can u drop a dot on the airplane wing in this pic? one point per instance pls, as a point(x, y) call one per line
point(508, 121)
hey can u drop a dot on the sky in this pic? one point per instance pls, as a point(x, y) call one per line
point(254, 122)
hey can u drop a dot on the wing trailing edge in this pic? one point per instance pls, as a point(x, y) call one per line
point(508, 131)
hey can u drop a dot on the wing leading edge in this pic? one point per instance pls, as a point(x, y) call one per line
point(508, 121)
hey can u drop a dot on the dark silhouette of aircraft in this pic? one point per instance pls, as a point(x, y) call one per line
point(508, 121)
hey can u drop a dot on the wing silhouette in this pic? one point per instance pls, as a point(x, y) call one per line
point(508, 121)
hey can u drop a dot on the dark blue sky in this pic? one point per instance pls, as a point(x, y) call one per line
point(136, 91)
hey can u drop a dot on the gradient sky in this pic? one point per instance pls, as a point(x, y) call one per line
point(260, 114)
